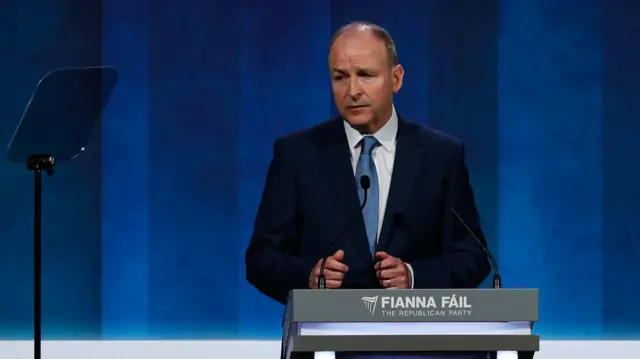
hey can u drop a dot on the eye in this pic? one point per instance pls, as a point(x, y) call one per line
point(366, 75)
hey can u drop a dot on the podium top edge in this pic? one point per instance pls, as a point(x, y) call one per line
point(439, 290)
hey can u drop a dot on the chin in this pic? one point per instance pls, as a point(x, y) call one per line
point(358, 121)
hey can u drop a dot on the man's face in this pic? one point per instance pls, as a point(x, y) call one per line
point(362, 80)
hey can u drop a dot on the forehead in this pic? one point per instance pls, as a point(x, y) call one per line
point(357, 48)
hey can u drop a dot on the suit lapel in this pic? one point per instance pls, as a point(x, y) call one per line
point(335, 161)
point(406, 167)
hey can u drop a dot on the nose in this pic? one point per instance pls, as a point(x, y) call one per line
point(354, 87)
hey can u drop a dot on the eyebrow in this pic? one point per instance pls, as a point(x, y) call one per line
point(360, 69)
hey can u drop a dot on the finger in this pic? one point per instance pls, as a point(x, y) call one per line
point(384, 262)
point(339, 255)
point(389, 262)
point(334, 284)
point(394, 283)
point(387, 283)
point(330, 264)
point(390, 273)
point(335, 265)
point(379, 257)
point(333, 275)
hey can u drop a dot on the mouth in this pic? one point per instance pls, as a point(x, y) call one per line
point(357, 107)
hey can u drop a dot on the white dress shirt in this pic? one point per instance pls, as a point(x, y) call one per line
point(383, 157)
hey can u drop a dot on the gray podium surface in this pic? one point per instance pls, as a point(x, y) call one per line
point(419, 320)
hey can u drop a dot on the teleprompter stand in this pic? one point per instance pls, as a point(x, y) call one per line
point(55, 127)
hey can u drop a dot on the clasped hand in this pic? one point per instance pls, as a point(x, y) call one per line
point(391, 272)
point(334, 271)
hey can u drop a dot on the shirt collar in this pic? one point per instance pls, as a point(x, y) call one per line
point(386, 135)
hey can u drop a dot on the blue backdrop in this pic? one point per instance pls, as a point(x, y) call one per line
point(144, 234)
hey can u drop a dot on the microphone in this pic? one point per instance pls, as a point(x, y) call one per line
point(365, 183)
point(497, 281)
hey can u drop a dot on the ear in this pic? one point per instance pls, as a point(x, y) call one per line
point(397, 75)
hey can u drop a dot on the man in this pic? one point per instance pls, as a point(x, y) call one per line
point(406, 236)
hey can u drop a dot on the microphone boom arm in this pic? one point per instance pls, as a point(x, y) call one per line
point(497, 281)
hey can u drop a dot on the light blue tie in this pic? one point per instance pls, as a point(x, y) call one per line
point(367, 167)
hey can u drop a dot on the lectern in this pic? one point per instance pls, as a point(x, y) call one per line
point(496, 323)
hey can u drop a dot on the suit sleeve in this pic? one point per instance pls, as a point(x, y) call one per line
point(270, 259)
point(462, 262)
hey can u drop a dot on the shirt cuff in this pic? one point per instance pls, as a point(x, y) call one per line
point(410, 271)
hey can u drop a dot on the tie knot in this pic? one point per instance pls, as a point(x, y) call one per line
point(368, 143)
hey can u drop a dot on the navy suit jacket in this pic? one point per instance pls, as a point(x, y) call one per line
point(310, 195)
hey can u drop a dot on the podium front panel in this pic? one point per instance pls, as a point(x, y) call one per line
point(414, 305)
